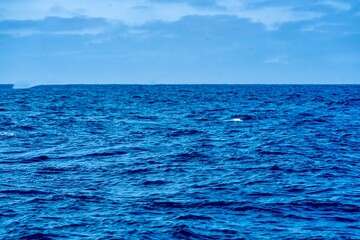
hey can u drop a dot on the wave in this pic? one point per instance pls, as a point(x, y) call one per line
point(35, 159)
point(235, 120)
point(106, 154)
point(184, 133)
point(7, 134)
point(180, 162)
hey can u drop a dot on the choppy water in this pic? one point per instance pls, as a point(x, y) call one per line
point(180, 162)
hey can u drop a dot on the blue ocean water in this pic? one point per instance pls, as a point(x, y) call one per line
point(180, 162)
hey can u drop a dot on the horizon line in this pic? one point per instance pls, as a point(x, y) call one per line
point(13, 86)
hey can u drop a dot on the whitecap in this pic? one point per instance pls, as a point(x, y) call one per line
point(7, 134)
point(235, 120)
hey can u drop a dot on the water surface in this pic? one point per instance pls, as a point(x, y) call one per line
point(180, 162)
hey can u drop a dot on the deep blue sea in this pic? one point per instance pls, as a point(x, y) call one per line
point(180, 162)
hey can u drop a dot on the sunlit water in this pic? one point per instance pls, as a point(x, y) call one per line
point(180, 162)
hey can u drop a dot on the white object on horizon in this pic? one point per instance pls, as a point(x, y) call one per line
point(22, 85)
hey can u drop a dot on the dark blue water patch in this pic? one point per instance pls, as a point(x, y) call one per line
point(23, 192)
point(53, 170)
point(328, 206)
point(154, 183)
point(180, 162)
point(106, 154)
point(184, 232)
point(136, 171)
point(79, 197)
point(191, 217)
point(41, 236)
point(184, 133)
point(152, 118)
point(346, 220)
point(35, 159)
point(8, 214)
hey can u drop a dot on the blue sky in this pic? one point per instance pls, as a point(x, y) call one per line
point(179, 41)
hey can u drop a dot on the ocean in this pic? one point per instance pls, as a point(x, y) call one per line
point(180, 162)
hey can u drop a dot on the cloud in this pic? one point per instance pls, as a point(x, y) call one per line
point(200, 3)
point(324, 27)
point(273, 17)
point(138, 12)
point(337, 5)
point(338, 29)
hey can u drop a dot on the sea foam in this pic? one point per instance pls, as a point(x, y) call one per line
point(7, 134)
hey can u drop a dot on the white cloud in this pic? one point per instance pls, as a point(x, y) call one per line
point(337, 5)
point(323, 27)
point(131, 12)
point(138, 12)
point(270, 16)
point(340, 29)
point(273, 17)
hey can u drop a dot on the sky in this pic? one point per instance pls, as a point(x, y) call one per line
point(179, 42)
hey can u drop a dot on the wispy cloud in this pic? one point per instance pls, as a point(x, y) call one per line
point(273, 17)
point(323, 27)
point(138, 12)
point(335, 28)
point(337, 5)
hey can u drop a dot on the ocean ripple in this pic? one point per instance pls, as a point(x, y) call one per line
point(180, 162)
